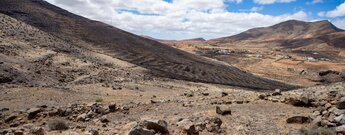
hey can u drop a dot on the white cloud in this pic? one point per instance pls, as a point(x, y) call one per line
point(256, 9)
point(338, 11)
point(340, 23)
point(180, 19)
point(237, 1)
point(317, 1)
point(314, 2)
point(272, 1)
point(253, 9)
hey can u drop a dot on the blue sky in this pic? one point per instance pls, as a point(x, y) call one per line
point(183, 19)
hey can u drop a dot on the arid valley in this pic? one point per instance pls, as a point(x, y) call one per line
point(61, 73)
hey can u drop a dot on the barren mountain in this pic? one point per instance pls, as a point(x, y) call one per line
point(160, 59)
point(289, 30)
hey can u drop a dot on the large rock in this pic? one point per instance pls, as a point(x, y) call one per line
point(298, 119)
point(33, 112)
point(159, 126)
point(188, 126)
point(223, 110)
point(140, 131)
point(341, 103)
point(213, 124)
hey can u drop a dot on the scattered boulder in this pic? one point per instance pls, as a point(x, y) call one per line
point(223, 110)
point(33, 112)
point(137, 130)
point(298, 119)
point(187, 126)
point(159, 126)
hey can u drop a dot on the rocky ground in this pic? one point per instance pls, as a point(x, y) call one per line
point(172, 107)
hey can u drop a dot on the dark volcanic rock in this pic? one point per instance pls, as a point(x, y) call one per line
point(112, 107)
point(298, 119)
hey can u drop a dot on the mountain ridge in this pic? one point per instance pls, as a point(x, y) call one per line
point(288, 30)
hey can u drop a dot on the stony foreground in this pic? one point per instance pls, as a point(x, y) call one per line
point(198, 109)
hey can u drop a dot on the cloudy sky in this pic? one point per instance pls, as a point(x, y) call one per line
point(184, 19)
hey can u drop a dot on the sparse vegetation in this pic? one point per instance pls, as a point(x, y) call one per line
point(99, 99)
point(57, 124)
point(318, 131)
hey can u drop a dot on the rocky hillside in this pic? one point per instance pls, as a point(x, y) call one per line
point(31, 57)
point(160, 59)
